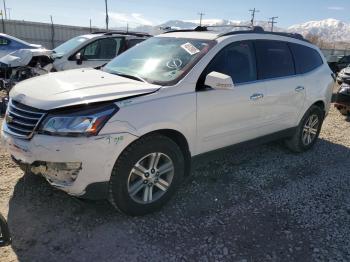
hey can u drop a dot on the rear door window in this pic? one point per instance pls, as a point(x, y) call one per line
point(274, 59)
point(306, 58)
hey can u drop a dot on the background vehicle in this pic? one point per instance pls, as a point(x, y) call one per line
point(129, 132)
point(344, 76)
point(342, 63)
point(94, 50)
point(342, 101)
point(8, 44)
point(5, 237)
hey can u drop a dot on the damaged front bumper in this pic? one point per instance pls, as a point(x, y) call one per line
point(79, 166)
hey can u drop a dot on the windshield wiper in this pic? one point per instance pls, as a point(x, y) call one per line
point(135, 77)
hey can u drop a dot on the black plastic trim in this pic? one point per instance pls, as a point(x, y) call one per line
point(247, 144)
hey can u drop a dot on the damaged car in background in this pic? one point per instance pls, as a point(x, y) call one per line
point(21, 65)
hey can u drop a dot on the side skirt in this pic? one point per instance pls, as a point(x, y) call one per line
point(247, 144)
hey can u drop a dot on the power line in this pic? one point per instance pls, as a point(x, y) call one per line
point(200, 18)
point(272, 22)
point(253, 12)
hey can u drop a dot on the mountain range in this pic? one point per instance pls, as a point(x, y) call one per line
point(329, 30)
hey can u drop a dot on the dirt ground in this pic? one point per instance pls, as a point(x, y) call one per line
point(258, 204)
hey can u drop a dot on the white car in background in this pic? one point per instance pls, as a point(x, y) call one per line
point(128, 132)
point(94, 50)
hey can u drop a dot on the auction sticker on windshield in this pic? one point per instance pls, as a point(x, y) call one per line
point(191, 49)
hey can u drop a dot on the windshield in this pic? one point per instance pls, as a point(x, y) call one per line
point(69, 45)
point(160, 60)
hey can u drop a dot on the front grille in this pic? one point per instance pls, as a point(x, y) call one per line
point(22, 120)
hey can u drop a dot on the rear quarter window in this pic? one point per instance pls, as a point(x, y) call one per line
point(306, 58)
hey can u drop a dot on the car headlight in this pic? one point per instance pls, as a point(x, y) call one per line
point(82, 122)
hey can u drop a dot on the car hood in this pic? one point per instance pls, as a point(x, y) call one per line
point(74, 87)
point(22, 57)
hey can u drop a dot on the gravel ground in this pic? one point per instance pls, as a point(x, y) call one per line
point(258, 204)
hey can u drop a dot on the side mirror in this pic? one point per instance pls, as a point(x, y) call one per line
point(5, 237)
point(218, 80)
point(78, 58)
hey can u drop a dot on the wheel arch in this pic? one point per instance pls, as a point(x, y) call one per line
point(180, 140)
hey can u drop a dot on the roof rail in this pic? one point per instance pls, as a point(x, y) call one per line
point(205, 28)
point(251, 30)
point(260, 30)
point(120, 32)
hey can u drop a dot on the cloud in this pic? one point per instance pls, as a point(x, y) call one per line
point(132, 19)
point(336, 8)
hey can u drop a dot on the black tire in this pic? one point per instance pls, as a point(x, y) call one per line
point(5, 237)
point(295, 143)
point(118, 185)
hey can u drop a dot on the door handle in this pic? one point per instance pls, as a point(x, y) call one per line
point(255, 97)
point(299, 88)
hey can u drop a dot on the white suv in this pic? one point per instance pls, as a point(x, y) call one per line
point(128, 132)
point(94, 50)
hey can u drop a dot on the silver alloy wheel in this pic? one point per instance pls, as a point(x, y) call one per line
point(150, 178)
point(310, 130)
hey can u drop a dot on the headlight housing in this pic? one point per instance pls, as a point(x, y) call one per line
point(86, 121)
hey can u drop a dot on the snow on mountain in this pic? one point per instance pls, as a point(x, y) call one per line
point(329, 30)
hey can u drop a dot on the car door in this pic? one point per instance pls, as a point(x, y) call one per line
point(97, 53)
point(226, 117)
point(284, 95)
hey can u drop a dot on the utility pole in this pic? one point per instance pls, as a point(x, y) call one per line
point(52, 33)
point(200, 18)
point(272, 22)
point(107, 18)
point(9, 10)
point(5, 9)
point(90, 26)
point(3, 23)
point(127, 27)
point(253, 12)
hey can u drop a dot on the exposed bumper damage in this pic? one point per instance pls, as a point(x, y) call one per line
point(74, 165)
point(58, 174)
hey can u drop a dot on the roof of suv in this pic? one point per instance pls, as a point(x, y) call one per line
point(201, 32)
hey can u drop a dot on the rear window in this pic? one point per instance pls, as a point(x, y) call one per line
point(274, 59)
point(306, 58)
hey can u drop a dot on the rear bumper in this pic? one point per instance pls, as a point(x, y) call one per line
point(79, 166)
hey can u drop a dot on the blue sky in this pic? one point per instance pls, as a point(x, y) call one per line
point(154, 12)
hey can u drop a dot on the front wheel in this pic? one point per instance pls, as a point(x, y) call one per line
point(308, 131)
point(146, 175)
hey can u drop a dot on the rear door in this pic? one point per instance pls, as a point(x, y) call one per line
point(284, 91)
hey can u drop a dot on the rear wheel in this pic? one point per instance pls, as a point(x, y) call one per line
point(308, 130)
point(146, 175)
